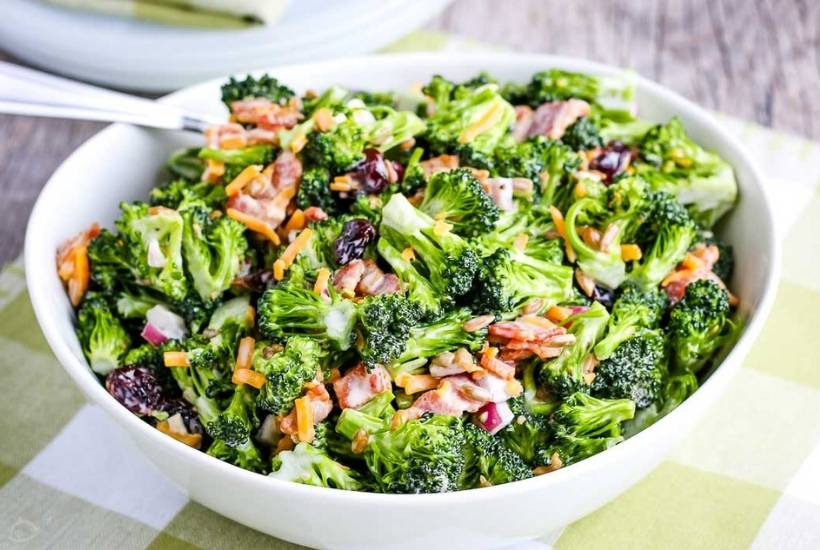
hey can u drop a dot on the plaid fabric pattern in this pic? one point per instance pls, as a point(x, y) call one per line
point(748, 476)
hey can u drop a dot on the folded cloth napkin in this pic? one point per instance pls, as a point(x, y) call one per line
point(747, 476)
point(188, 13)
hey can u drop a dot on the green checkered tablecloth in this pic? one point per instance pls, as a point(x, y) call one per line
point(749, 474)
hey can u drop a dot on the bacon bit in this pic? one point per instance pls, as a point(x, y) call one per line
point(296, 222)
point(176, 359)
point(551, 119)
point(358, 386)
point(591, 236)
point(320, 286)
point(360, 442)
point(478, 323)
point(558, 314)
point(610, 233)
point(416, 383)
point(631, 252)
point(335, 374)
point(586, 282)
point(315, 214)
point(324, 119)
point(254, 224)
point(244, 353)
point(244, 177)
point(486, 121)
point(192, 440)
point(408, 254)
point(304, 419)
point(279, 269)
point(497, 366)
point(696, 265)
point(72, 263)
point(588, 368)
point(520, 242)
point(249, 377)
point(441, 228)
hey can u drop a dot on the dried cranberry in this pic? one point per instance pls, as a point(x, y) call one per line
point(612, 160)
point(186, 410)
point(136, 388)
point(371, 173)
point(605, 296)
point(255, 281)
point(355, 237)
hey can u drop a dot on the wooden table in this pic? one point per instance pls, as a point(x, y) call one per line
point(756, 59)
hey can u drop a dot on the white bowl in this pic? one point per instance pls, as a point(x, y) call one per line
point(121, 163)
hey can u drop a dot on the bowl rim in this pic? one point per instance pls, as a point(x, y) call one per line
point(96, 393)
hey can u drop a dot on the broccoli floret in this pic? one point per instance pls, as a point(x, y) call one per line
point(213, 250)
point(508, 278)
point(291, 309)
point(392, 128)
point(368, 207)
point(234, 424)
point(193, 310)
point(630, 203)
point(246, 456)
point(310, 465)
point(236, 160)
point(186, 164)
point(634, 310)
point(555, 85)
point(287, 371)
point(146, 355)
point(153, 238)
point(109, 265)
point(583, 135)
point(529, 432)
point(333, 97)
point(432, 338)
point(413, 178)
point(445, 259)
point(419, 290)
point(584, 425)
point(675, 389)
point(665, 238)
point(605, 266)
point(700, 325)
point(319, 251)
point(571, 371)
point(385, 322)
point(135, 304)
point(458, 198)
point(725, 266)
point(474, 119)
point(635, 370)
point(373, 99)
point(102, 336)
point(251, 87)
point(205, 378)
point(338, 149)
point(488, 461)
point(314, 190)
point(180, 190)
point(419, 456)
point(699, 179)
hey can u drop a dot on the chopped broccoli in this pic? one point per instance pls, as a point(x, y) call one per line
point(488, 461)
point(675, 389)
point(134, 305)
point(458, 198)
point(109, 263)
point(665, 238)
point(180, 190)
point(101, 334)
point(251, 87)
point(700, 325)
point(292, 308)
point(555, 85)
point(634, 310)
point(725, 266)
point(186, 164)
point(246, 456)
point(605, 266)
point(386, 321)
point(448, 261)
point(338, 149)
point(584, 425)
point(314, 190)
point(310, 465)
point(392, 128)
point(634, 370)
point(571, 371)
point(234, 424)
point(153, 238)
point(287, 371)
point(534, 157)
point(413, 178)
point(213, 250)
point(699, 179)
point(583, 135)
point(529, 432)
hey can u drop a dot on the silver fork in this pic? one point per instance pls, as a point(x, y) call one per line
point(25, 91)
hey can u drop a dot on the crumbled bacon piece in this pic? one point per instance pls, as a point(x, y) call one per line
point(442, 163)
point(365, 278)
point(315, 214)
point(550, 119)
point(697, 264)
point(266, 114)
point(501, 191)
point(527, 336)
point(358, 386)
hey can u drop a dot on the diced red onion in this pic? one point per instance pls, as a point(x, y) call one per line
point(493, 417)
point(153, 335)
point(170, 325)
point(155, 256)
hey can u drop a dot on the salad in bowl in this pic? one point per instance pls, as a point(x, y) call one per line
point(458, 286)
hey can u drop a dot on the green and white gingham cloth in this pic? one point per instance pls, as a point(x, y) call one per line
point(748, 475)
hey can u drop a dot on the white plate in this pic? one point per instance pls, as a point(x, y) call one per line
point(133, 54)
point(84, 190)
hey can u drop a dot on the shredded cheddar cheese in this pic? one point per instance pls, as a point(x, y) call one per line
point(304, 419)
point(254, 224)
point(176, 359)
point(243, 179)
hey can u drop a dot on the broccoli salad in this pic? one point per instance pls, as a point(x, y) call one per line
point(459, 286)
